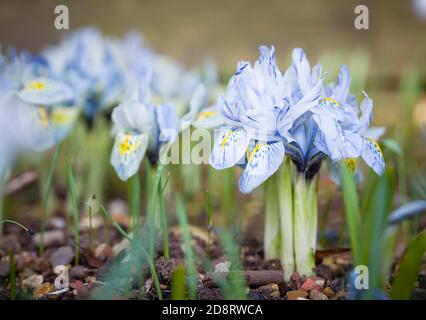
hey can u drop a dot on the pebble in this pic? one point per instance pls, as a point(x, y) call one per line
point(122, 245)
point(296, 294)
point(317, 295)
point(222, 267)
point(271, 291)
point(4, 266)
point(78, 272)
point(104, 251)
point(40, 264)
point(62, 256)
point(51, 238)
point(329, 292)
point(43, 290)
point(310, 284)
point(31, 283)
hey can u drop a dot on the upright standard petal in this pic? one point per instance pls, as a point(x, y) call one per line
point(168, 122)
point(366, 114)
point(262, 162)
point(373, 156)
point(303, 69)
point(229, 147)
point(127, 153)
point(341, 89)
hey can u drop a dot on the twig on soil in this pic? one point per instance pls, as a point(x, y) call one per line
point(20, 182)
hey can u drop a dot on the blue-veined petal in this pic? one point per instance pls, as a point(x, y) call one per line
point(372, 155)
point(303, 69)
point(127, 153)
point(335, 142)
point(229, 111)
point(168, 122)
point(42, 91)
point(341, 89)
point(132, 116)
point(366, 114)
point(229, 147)
point(375, 133)
point(263, 161)
point(330, 106)
point(198, 100)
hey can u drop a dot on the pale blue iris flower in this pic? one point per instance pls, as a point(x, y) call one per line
point(140, 127)
point(336, 127)
point(93, 66)
point(42, 99)
point(259, 112)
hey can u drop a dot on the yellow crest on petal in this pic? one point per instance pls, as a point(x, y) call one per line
point(205, 114)
point(128, 145)
point(36, 85)
point(351, 163)
point(255, 149)
point(376, 144)
point(226, 138)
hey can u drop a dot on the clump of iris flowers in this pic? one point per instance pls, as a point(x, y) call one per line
point(290, 123)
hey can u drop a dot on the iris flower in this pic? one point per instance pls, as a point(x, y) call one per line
point(93, 66)
point(259, 112)
point(336, 128)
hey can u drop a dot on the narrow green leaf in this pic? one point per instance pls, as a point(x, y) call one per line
point(178, 283)
point(187, 245)
point(409, 268)
point(46, 196)
point(73, 194)
point(352, 212)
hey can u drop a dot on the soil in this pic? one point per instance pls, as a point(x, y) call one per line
point(88, 278)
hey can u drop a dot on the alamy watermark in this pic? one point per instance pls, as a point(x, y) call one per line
point(361, 21)
point(62, 19)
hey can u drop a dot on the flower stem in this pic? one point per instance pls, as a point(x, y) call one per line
point(135, 199)
point(46, 196)
point(285, 202)
point(272, 236)
point(305, 224)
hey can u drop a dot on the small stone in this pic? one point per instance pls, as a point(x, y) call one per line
point(122, 245)
point(317, 295)
point(329, 292)
point(84, 224)
point(269, 291)
point(222, 267)
point(23, 260)
point(40, 264)
point(78, 272)
point(51, 238)
point(43, 290)
point(319, 281)
point(296, 280)
point(310, 284)
point(90, 279)
point(62, 256)
point(10, 243)
point(104, 251)
point(4, 266)
point(26, 273)
point(296, 294)
point(31, 283)
point(56, 223)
